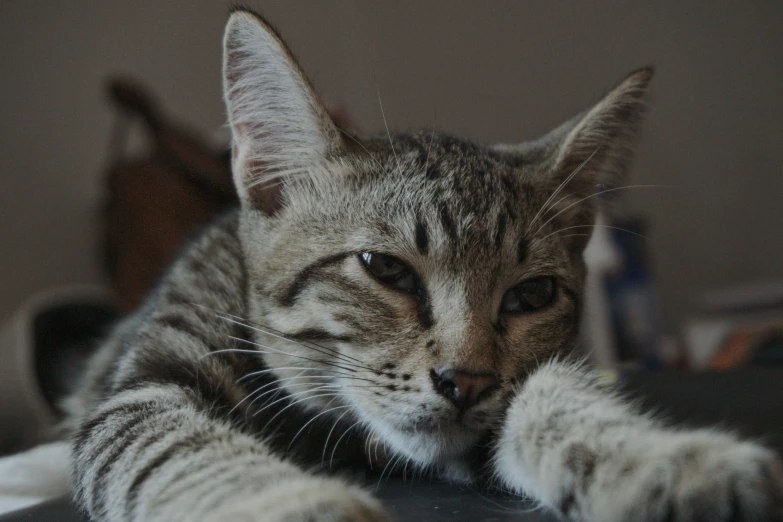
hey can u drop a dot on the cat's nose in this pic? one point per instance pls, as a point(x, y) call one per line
point(464, 389)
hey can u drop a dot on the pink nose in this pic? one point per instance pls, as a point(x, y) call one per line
point(463, 388)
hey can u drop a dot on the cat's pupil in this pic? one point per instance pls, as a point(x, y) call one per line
point(510, 301)
point(529, 295)
point(381, 265)
point(390, 271)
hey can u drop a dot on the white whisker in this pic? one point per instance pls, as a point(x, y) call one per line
point(336, 374)
point(359, 143)
point(329, 435)
point(294, 404)
point(390, 466)
point(331, 458)
point(275, 351)
point(290, 396)
point(266, 330)
point(385, 124)
point(593, 226)
point(306, 424)
point(596, 195)
point(429, 147)
point(558, 189)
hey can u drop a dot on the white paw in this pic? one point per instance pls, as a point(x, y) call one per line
point(688, 477)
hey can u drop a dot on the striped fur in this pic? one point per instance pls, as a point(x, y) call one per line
point(270, 357)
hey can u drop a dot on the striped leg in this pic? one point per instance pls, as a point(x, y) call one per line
point(151, 454)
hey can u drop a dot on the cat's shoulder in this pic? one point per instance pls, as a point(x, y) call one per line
point(209, 271)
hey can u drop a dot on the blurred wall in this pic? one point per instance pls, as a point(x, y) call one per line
point(493, 71)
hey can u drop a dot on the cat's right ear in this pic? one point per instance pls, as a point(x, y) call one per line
point(280, 128)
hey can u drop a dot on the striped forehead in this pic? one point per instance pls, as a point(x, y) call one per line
point(453, 198)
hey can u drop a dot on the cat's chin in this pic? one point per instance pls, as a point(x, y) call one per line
point(427, 446)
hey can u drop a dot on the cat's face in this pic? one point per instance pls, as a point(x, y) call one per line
point(417, 279)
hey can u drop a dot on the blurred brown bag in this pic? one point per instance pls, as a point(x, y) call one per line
point(156, 203)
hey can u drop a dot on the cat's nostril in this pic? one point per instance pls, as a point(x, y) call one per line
point(464, 389)
point(444, 386)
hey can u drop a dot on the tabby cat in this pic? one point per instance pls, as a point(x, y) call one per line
point(410, 300)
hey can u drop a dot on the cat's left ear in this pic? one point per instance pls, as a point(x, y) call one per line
point(279, 126)
point(592, 152)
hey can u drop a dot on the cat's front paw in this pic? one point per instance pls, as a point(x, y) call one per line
point(305, 500)
point(690, 477)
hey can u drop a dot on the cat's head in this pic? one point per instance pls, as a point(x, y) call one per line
point(421, 277)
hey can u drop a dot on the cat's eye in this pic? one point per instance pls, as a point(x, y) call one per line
point(391, 271)
point(529, 296)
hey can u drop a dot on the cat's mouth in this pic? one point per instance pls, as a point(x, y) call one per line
point(457, 422)
point(434, 437)
point(433, 442)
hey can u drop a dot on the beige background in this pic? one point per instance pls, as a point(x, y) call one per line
point(494, 71)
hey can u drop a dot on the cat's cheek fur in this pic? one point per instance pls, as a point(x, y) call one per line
point(583, 453)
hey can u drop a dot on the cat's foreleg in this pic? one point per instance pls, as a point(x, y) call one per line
point(151, 454)
point(586, 454)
